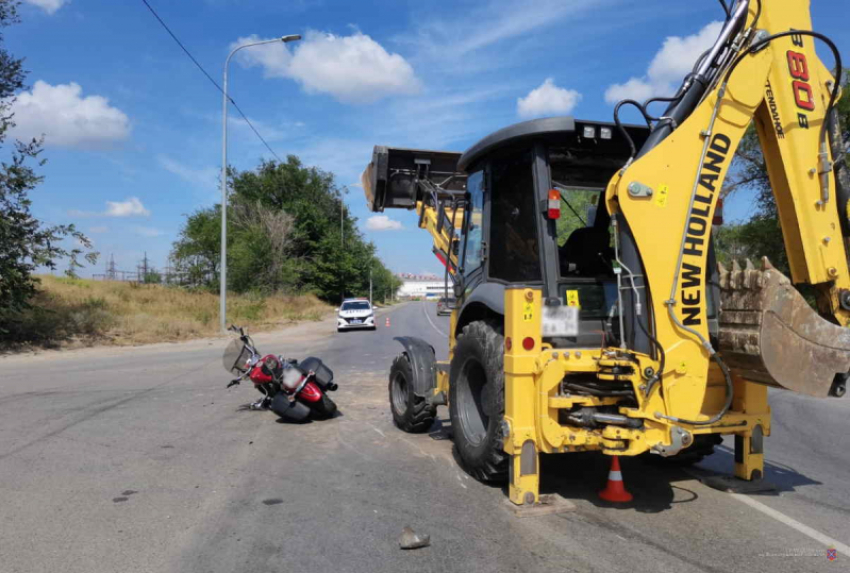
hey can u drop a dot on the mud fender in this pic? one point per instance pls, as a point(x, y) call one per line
point(423, 362)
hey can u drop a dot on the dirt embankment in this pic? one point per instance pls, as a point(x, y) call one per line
point(81, 312)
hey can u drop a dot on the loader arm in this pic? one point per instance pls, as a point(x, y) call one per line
point(427, 182)
point(771, 76)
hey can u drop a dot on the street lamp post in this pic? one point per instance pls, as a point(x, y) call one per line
point(225, 100)
point(342, 239)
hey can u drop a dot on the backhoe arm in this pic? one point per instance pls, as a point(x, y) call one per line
point(767, 332)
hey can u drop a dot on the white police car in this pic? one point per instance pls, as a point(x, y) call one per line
point(355, 313)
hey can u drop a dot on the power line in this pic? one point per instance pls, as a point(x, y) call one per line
point(210, 78)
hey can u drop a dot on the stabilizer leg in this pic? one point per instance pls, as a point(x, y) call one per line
point(524, 487)
point(750, 398)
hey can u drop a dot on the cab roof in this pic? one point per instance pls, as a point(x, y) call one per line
point(550, 129)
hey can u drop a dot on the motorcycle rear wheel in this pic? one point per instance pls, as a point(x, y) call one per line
point(323, 409)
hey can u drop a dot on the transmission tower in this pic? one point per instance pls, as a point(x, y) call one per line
point(111, 273)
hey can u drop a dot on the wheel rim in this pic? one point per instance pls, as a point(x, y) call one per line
point(471, 415)
point(400, 390)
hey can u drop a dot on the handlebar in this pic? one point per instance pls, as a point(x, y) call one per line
point(235, 382)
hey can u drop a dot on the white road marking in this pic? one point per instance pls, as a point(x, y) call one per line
point(425, 312)
point(793, 523)
point(790, 522)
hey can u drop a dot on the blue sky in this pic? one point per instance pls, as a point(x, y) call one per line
point(133, 130)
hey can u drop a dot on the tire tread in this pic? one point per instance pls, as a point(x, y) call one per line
point(419, 415)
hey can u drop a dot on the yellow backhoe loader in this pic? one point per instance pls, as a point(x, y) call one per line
point(590, 311)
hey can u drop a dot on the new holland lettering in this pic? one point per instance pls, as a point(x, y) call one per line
point(699, 228)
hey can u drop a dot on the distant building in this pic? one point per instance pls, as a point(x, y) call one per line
point(421, 286)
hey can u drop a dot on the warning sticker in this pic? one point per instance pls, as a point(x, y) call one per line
point(572, 298)
point(528, 312)
point(661, 196)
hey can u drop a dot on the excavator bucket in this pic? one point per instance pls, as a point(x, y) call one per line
point(769, 334)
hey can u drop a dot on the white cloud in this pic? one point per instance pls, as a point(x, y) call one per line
point(674, 61)
point(457, 38)
point(203, 177)
point(49, 6)
point(353, 69)
point(548, 99)
point(67, 119)
point(148, 231)
point(129, 208)
point(382, 223)
point(99, 229)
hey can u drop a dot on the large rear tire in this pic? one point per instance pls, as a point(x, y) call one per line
point(477, 401)
point(412, 414)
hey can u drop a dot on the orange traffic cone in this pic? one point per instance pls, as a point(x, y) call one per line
point(615, 490)
point(388, 322)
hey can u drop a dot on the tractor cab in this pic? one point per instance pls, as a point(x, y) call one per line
point(538, 187)
point(523, 206)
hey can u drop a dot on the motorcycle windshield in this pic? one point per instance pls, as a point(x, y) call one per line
point(235, 358)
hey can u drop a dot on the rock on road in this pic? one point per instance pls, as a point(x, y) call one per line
point(139, 460)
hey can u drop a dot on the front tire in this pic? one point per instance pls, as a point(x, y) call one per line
point(411, 413)
point(477, 401)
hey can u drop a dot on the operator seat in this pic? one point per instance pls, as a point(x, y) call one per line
point(589, 250)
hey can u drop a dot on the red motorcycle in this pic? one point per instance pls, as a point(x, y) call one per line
point(295, 391)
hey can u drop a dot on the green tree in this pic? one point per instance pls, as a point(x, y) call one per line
point(153, 277)
point(25, 242)
point(288, 230)
point(574, 207)
point(197, 251)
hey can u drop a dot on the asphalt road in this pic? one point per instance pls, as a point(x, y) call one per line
point(138, 460)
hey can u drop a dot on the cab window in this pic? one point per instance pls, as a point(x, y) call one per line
point(474, 236)
point(514, 249)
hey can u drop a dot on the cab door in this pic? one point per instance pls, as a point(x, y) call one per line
point(474, 242)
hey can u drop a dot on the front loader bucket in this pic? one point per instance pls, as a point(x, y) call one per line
point(769, 334)
point(394, 177)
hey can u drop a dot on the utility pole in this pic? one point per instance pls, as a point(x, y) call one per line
point(145, 269)
point(111, 273)
point(370, 286)
point(341, 224)
point(342, 242)
point(225, 100)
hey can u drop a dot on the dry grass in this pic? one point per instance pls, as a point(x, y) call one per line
point(86, 312)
